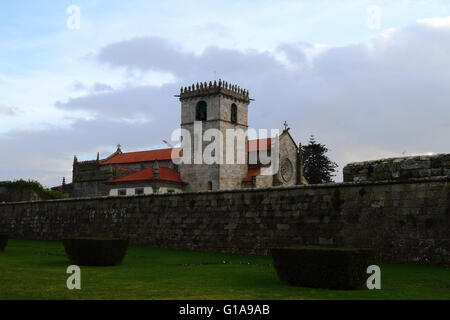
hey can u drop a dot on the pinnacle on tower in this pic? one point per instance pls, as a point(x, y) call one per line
point(213, 87)
point(156, 170)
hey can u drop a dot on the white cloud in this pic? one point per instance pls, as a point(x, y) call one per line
point(437, 22)
point(365, 100)
point(5, 110)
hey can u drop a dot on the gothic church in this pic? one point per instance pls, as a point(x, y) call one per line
point(218, 105)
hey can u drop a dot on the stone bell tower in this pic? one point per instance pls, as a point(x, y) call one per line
point(217, 105)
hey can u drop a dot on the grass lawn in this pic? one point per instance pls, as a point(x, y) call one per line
point(37, 270)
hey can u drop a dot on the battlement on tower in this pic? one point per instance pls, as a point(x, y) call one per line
point(203, 89)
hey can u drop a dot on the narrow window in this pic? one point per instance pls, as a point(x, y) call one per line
point(210, 186)
point(201, 111)
point(233, 113)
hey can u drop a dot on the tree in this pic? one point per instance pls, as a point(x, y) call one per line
point(318, 168)
point(42, 192)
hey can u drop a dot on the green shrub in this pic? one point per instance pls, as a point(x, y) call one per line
point(3, 241)
point(42, 192)
point(318, 267)
point(95, 251)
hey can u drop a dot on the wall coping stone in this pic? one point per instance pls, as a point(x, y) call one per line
point(256, 190)
point(398, 159)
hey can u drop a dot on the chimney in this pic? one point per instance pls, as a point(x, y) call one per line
point(156, 170)
point(74, 169)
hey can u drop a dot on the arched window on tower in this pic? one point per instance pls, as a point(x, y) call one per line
point(233, 113)
point(201, 111)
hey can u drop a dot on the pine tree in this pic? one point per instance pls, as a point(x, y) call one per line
point(318, 168)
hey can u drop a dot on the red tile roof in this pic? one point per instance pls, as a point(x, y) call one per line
point(142, 156)
point(124, 169)
point(260, 144)
point(165, 174)
point(166, 154)
point(251, 173)
point(120, 172)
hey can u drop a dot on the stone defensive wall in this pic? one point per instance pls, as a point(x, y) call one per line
point(406, 221)
point(398, 169)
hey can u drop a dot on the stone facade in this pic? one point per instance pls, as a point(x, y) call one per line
point(156, 186)
point(218, 101)
point(8, 194)
point(91, 178)
point(398, 168)
point(404, 221)
point(287, 175)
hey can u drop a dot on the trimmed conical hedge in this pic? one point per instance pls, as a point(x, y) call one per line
point(3, 241)
point(318, 267)
point(95, 251)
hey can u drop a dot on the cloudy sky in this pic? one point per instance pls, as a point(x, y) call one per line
point(369, 79)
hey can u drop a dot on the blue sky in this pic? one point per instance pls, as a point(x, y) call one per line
point(120, 68)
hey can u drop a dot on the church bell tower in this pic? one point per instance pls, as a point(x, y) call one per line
point(222, 106)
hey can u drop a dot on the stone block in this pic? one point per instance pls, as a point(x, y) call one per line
point(283, 227)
